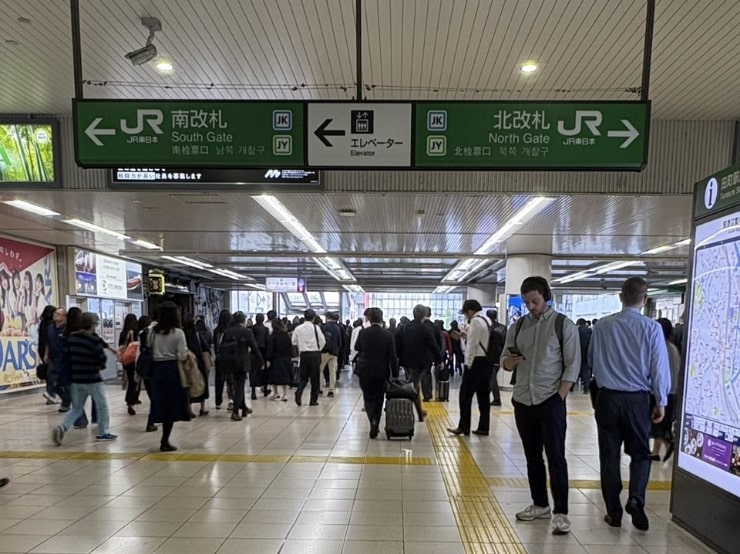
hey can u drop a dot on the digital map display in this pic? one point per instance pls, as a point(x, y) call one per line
point(710, 437)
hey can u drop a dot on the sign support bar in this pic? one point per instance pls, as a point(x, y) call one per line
point(358, 49)
point(647, 51)
point(74, 6)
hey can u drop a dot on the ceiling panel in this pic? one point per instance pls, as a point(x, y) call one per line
point(415, 49)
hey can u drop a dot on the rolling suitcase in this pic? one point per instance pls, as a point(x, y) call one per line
point(399, 418)
point(443, 391)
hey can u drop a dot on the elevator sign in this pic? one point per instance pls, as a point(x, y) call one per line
point(542, 135)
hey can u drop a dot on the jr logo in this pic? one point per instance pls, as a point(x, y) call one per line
point(153, 117)
point(591, 118)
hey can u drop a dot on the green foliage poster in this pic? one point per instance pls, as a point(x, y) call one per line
point(26, 153)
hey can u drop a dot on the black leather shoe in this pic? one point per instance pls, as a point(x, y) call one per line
point(298, 398)
point(612, 521)
point(313, 403)
point(167, 448)
point(639, 518)
point(496, 403)
point(458, 431)
point(481, 433)
point(151, 428)
point(668, 453)
point(236, 417)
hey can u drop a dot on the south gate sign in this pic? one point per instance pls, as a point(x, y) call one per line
point(390, 135)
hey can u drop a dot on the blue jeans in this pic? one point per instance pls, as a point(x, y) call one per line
point(80, 393)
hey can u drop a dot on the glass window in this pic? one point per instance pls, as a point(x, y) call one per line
point(251, 301)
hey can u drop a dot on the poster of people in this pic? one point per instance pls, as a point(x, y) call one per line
point(27, 286)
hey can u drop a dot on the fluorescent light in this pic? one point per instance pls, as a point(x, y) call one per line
point(530, 209)
point(33, 208)
point(228, 273)
point(599, 270)
point(188, 261)
point(443, 289)
point(684, 242)
point(96, 228)
point(276, 209)
point(165, 67)
point(679, 282)
point(660, 249)
point(147, 244)
point(469, 266)
point(529, 67)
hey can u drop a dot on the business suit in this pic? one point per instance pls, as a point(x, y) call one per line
point(376, 363)
point(241, 364)
point(418, 350)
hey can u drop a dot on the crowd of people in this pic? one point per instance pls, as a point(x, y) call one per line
point(626, 361)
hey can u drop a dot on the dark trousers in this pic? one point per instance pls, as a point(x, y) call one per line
point(148, 389)
point(416, 376)
point(310, 370)
point(543, 425)
point(623, 417)
point(585, 377)
point(132, 388)
point(494, 384)
point(426, 385)
point(238, 380)
point(220, 381)
point(476, 381)
point(373, 394)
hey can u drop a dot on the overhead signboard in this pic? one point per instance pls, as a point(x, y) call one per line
point(29, 153)
point(359, 135)
point(537, 135)
point(154, 178)
point(717, 192)
point(189, 133)
point(285, 284)
point(392, 135)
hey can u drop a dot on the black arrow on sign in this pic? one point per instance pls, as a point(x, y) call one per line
point(322, 132)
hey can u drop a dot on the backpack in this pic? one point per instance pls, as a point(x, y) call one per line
point(144, 360)
point(329, 347)
point(232, 352)
point(495, 345)
point(559, 322)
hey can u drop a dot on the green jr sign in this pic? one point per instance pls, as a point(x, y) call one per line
point(531, 135)
point(189, 133)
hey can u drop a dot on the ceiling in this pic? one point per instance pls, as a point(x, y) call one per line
point(415, 49)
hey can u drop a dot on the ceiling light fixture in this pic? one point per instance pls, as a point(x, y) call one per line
point(146, 244)
point(684, 242)
point(678, 282)
point(276, 209)
point(95, 228)
point(228, 273)
point(529, 67)
point(148, 52)
point(33, 208)
point(599, 270)
point(469, 266)
point(165, 67)
point(661, 249)
point(353, 288)
point(184, 260)
point(443, 289)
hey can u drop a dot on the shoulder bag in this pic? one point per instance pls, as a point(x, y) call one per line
point(190, 376)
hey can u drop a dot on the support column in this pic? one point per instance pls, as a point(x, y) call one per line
point(485, 294)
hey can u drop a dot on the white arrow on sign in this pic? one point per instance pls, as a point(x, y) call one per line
point(630, 134)
point(93, 132)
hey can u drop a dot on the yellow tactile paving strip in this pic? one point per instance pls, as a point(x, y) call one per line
point(239, 458)
point(522, 483)
point(483, 526)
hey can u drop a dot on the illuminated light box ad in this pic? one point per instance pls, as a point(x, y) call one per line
point(28, 154)
point(106, 277)
point(710, 433)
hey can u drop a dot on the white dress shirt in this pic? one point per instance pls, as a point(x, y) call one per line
point(477, 339)
point(305, 337)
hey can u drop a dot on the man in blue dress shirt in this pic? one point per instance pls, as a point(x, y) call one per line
point(630, 363)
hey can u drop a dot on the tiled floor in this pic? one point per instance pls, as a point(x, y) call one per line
point(299, 480)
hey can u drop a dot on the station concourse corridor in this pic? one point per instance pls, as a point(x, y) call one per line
point(300, 480)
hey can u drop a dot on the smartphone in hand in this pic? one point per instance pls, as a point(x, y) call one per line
point(514, 351)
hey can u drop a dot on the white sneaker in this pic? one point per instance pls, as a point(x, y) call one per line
point(532, 512)
point(560, 524)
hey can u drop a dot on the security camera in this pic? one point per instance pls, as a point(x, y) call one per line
point(148, 52)
point(142, 55)
point(603, 284)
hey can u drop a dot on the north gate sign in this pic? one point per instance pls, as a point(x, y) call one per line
point(390, 135)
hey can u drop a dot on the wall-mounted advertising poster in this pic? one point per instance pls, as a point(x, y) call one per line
point(27, 285)
point(106, 277)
